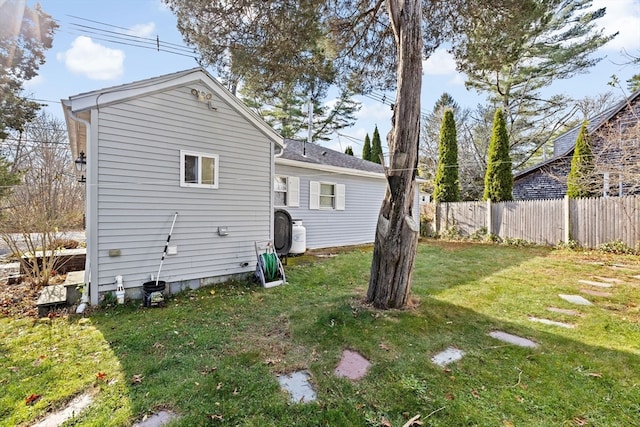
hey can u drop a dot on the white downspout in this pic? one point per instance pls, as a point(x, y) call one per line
point(84, 299)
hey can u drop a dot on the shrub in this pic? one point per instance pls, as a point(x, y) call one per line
point(617, 247)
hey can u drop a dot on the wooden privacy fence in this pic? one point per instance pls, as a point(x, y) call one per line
point(589, 222)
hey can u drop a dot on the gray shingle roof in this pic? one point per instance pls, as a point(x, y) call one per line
point(319, 155)
point(565, 143)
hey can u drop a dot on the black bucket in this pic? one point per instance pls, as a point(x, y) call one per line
point(149, 288)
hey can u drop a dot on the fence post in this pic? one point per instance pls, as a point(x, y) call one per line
point(567, 220)
point(489, 218)
point(436, 219)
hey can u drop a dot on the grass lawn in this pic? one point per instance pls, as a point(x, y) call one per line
point(212, 355)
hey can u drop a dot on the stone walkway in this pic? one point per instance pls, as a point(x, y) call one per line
point(354, 366)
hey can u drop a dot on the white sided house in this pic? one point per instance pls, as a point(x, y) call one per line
point(179, 143)
point(337, 196)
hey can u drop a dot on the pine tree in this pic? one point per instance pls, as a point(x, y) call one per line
point(498, 181)
point(366, 148)
point(446, 186)
point(376, 147)
point(349, 150)
point(582, 178)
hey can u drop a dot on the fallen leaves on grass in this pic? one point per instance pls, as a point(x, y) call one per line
point(383, 346)
point(595, 374)
point(101, 376)
point(580, 421)
point(136, 379)
point(219, 386)
point(215, 417)
point(32, 398)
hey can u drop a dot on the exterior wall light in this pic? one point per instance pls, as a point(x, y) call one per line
point(81, 166)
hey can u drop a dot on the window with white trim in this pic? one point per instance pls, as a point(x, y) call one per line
point(326, 195)
point(286, 191)
point(198, 169)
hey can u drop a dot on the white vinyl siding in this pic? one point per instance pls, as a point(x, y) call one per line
point(356, 224)
point(286, 191)
point(198, 169)
point(138, 191)
point(326, 195)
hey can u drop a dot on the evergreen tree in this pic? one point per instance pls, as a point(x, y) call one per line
point(633, 84)
point(349, 150)
point(447, 187)
point(366, 148)
point(582, 178)
point(498, 180)
point(376, 147)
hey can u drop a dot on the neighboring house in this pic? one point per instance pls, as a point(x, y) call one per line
point(337, 196)
point(175, 143)
point(616, 146)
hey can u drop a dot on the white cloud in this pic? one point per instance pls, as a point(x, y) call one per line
point(622, 16)
point(93, 60)
point(374, 111)
point(142, 30)
point(439, 63)
point(36, 81)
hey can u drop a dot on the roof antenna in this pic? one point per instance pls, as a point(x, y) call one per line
point(310, 133)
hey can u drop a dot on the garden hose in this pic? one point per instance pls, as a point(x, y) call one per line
point(270, 262)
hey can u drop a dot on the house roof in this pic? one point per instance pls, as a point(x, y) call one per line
point(567, 140)
point(81, 104)
point(314, 154)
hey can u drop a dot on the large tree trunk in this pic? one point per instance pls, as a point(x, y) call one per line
point(397, 231)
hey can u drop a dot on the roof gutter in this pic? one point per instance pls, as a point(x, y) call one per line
point(84, 299)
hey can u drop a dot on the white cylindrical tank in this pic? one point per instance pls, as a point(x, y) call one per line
point(298, 237)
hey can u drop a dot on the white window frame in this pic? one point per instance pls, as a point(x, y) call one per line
point(292, 192)
point(199, 155)
point(338, 196)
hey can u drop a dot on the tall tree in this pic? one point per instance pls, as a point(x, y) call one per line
point(366, 148)
point(287, 111)
point(348, 150)
point(498, 181)
point(633, 84)
point(25, 34)
point(513, 54)
point(471, 147)
point(376, 147)
point(362, 44)
point(446, 187)
point(582, 176)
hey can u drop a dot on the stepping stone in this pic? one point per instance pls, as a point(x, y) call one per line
point(595, 293)
point(551, 322)
point(73, 409)
point(513, 339)
point(620, 267)
point(447, 356)
point(566, 311)
point(297, 384)
point(352, 365)
point(608, 279)
point(157, 420)
point(575, 299)
point(597, 284)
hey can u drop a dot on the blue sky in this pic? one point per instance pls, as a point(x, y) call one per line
point(82, 61)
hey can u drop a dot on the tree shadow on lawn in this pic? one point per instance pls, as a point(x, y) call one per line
point(222, 362)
